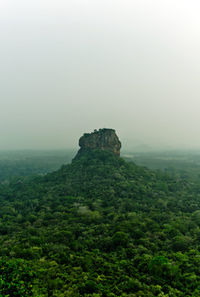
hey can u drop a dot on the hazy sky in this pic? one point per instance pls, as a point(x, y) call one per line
point(70, 66)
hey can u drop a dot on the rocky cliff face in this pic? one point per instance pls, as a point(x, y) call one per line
point(103, 139)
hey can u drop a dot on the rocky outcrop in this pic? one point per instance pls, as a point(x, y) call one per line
point(103, 139)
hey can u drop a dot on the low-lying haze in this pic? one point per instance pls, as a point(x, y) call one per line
point(68, 67)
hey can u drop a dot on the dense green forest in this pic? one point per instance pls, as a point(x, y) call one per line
point(100, 226)
point(185, 164)
point(15, 164)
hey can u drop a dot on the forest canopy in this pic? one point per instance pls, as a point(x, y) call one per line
point(100, 226)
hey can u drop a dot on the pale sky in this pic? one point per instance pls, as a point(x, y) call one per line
point(72, 66)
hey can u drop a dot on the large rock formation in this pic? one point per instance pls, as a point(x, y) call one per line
point(103, 139)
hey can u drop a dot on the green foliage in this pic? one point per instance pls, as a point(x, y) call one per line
point(100, 227)
point(163, 270)
point(15, 278)
point(17, 164)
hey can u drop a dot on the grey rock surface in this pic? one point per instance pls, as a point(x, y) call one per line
point(103, 139)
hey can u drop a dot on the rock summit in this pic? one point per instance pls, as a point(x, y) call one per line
point(102, 139)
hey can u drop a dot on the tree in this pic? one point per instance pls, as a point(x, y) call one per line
point(15, 278)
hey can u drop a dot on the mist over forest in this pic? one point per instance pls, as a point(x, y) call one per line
point(99, 148)
point(70, 67)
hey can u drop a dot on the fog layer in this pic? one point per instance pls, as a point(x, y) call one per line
point(68, 67)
